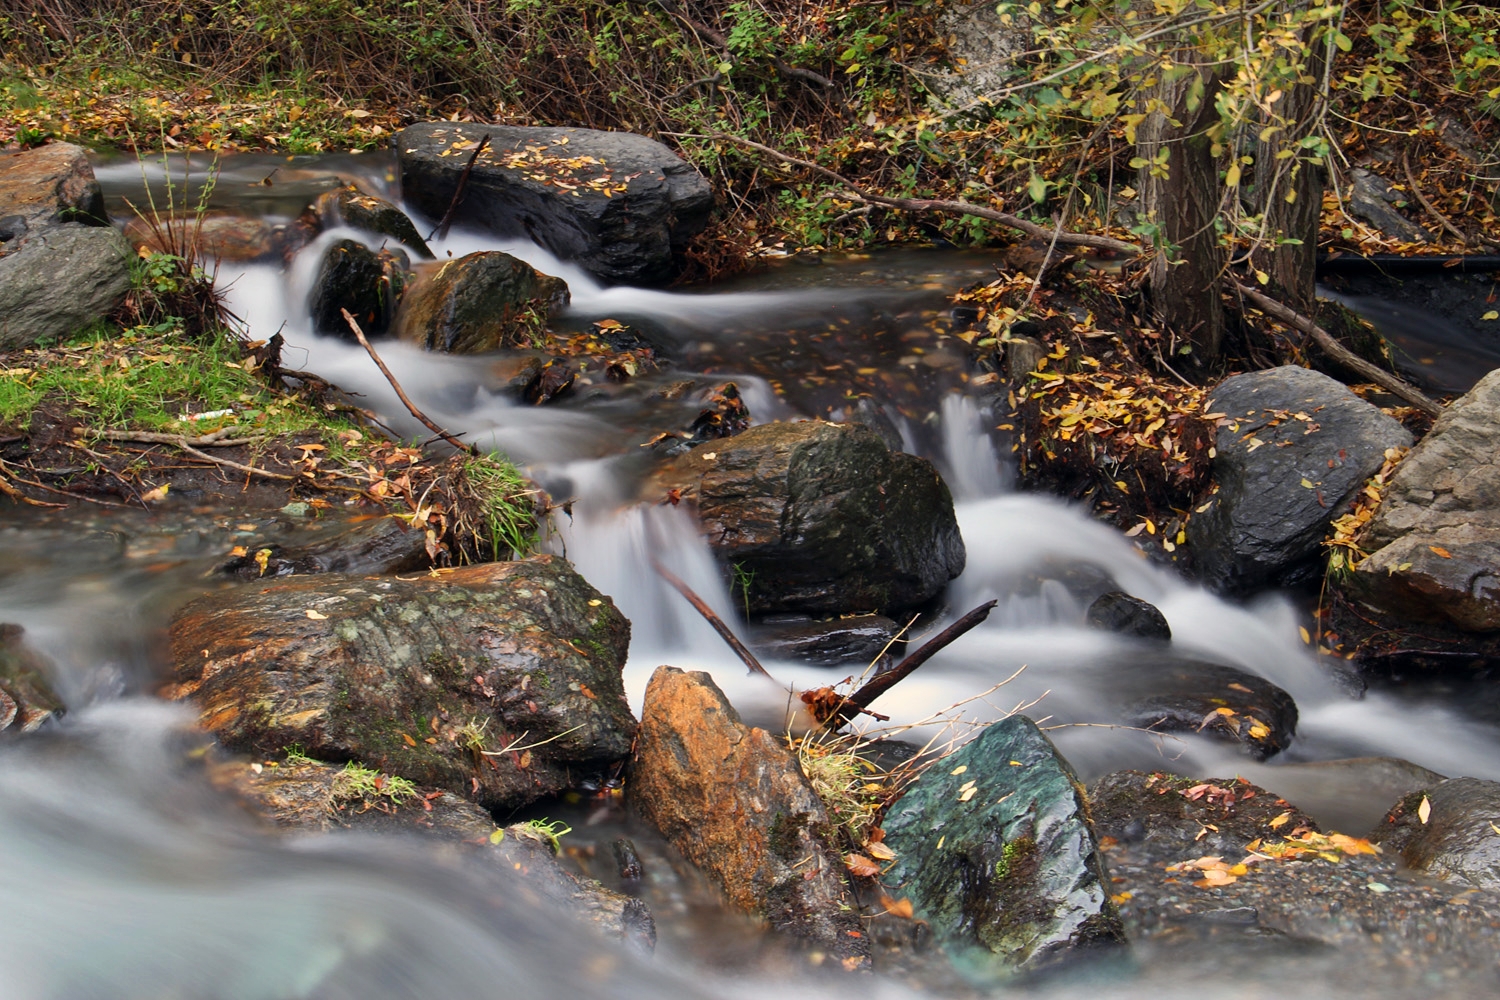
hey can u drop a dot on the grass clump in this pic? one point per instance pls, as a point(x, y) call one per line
point(549, 831)
point(495, 508)
point(359, 783)
point(853, 790)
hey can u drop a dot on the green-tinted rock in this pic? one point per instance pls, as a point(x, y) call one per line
point(417, 677)
point(352, 207)
point(999, 858)
point(823, 518)
point(485, 301)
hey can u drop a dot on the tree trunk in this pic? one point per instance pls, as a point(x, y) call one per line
point(1289, 189)
point(1181, 193)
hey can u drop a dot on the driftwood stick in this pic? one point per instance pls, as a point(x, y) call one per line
point(218, 439)
point(881, 683)
point(940, 206)
point(247, 469)
point(740, 649)
point(400, 393)
point(1391, 383)
point(458, 193)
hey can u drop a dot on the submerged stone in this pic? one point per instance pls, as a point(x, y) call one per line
point(27, 700)
point(1454, 837)
point(995, 850)
point(430, 679)
point(352, 207)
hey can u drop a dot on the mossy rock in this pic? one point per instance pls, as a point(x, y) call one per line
point(485, 301)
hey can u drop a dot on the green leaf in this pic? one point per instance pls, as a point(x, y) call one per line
point(1342, 41)
point(1037, 188)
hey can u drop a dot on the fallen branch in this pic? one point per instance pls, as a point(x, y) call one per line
point(15, 494)
point(938, 205)
point(217, 439)
point(401, 394)
point(740, 649)
point(1411, 182)
point(883, 682)
point(1338, 352)
point(441, 232)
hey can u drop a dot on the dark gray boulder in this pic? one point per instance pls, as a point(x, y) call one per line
point(996, 853)
point(1373, 199)
point(349, 206)
point(620, 205)
point(485, 301)
point(352, 276)
point(1456, 839)
point(57, 279)
point(1170, 695)
point(1293, 448)
point(1434, 542)
point(417, 677)
point(821, 518)
point(378, 545)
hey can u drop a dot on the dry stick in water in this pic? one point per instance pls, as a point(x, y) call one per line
point(441, 232)
point(401, 394)
point(708, 614)
point(1340, 353)
point(860, 700)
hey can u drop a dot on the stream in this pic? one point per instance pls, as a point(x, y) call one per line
point(126, 876)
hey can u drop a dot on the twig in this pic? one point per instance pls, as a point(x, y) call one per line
point(248, 469)
point(1338, 352)
point(15, 494)
point(708, 614)
point(217, 439)
point(1442, 219)
point(410, 406)
point(458, 193)
point(62, 493)
point(936, 205)
point(881, 683)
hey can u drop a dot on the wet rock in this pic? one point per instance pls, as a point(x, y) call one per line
point(50, 184)
point(734, 801)
point(1371, 198)
point(352, 277)
point(223, 237)
point(620, 205)
point(349, 206)
point(874, 416)
point(1457, 839)
point(311, 796)
point(1117, 611)
point(483, 301)
point(994, 849)
point(417, 677)
point(1349, 794)
point(1165, 815)
point(724, 414)
point(55, 280)
point(379, 545)
point(858, 639)
point(1283, 428)
point(822, 518)
point(1188, 696)
point(1434, 543)
point(27, 700)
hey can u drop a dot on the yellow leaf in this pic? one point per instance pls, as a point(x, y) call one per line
point(497, 835)
point(314, 615)
point(151, 496)
point(1280, 821)
point(1307, 484)
point(1306, 636)
point(960, 769)
point(1424, 811)
point(881, 852)
point(1492, 314)
point(897, 907)
point(1439, 551)
point(1232, 176)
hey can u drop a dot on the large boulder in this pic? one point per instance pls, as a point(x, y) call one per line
point(994, 849)
point(47, 185)
point(1293, 448)
point(733, 800)
point(485, 301)
point(1448, 830)
point(424, 678)
point(620, 205)
point(1434, 543)
point(57, 279)
point(353, 277)
point(822, 518)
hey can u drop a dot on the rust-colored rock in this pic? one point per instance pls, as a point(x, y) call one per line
point(50, 184)
point(418, 677)
point(734, 801)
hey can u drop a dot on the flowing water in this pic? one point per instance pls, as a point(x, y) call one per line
point(126, 876)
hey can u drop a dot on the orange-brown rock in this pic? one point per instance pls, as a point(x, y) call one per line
point(50, 184)
point(418, 678)
point(734, 801)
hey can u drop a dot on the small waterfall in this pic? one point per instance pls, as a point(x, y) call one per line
point(972, 468)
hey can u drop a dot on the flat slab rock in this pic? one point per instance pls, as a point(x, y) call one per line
point(1434, 543)
point(405, 675)
point(306, 795)
point(1283, 428)
point(733, 800)
point(995, 851)
point(822, 518)
point(618, 204)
